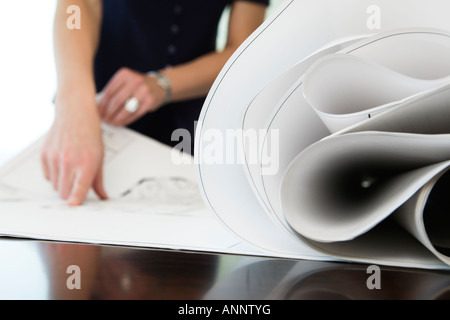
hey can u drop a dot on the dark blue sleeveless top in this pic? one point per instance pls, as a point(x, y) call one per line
point(148, 35)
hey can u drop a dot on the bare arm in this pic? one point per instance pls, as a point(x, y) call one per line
point(75, 49)
point(73, 153)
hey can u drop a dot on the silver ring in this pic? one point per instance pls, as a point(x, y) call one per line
point(132, 105)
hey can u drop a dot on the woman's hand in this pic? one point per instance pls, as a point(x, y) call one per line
point(124, 85)
point(72, 156)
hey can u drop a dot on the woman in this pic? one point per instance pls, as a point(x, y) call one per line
point(153, 63)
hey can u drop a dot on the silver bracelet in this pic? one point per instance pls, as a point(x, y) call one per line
point(163, 82)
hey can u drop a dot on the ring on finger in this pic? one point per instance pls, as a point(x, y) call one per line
point(132, 105)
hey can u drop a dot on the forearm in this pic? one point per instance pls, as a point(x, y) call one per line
point(75, 49)
point(194, 79)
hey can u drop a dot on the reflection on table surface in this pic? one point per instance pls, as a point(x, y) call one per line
point(44, 270)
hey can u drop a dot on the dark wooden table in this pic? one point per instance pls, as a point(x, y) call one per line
point(59, 271)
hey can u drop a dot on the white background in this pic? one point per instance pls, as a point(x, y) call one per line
point(27, 78)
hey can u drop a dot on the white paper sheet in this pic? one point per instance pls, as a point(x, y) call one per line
point(348, 87)
point(355, 181)
point(153, 202)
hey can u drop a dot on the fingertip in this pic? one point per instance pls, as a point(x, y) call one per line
point(79, 193)
point(101, 194)
point(104, 195)
point(74, 202)
point(99, 189)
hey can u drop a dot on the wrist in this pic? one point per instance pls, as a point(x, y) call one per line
point(73, 105)
point(164, 82)
point(82, 97)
